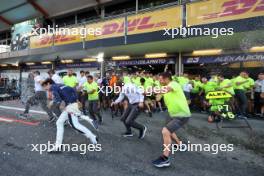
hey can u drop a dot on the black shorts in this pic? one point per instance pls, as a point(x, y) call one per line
point(173, 124)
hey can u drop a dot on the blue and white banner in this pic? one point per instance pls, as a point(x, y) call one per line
point(160, 61)
point(224, 58)
point(79, 65)
point(38, 66)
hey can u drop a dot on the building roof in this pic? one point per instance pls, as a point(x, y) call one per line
point(15, 11)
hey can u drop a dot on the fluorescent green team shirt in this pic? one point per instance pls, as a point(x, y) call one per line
point(248, 85)
point(239, 79)
point(209, 86)
point(176, 102)
point(126, 79)
point(149, 82)
point(89, 87)
point(227, 82)
point(197, 86)
point(157, 84)
point(136, 81)
point(70, 81)
point(182, 80)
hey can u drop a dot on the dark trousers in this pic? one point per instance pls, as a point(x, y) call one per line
point(129, 117)
point(82, 97)
point(40, 97)
point(257, 102)
point(242, 101)
point(93, 110)
point(56, 109)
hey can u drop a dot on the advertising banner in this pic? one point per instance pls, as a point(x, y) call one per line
point(72, 36)
point(41, 41)
point(161, 61)
point(214, 11)
point(137, 24)
point(78, 65)
point(224, 58)
point(21, 33)
point(155, 21)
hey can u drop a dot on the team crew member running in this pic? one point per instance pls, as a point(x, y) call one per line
point(178, 115)
point(71, 112)
point(135, 101)
point(39, 97)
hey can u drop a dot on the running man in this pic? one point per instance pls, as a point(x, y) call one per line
point(179, 114)
point(135, 101)
point(39, 97)
point(71, 113)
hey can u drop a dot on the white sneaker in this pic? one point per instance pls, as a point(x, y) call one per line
point(55, 149)
point(94, 140)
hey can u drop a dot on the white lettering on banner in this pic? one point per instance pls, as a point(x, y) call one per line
point(193, 60)
point(146, 62)
point(240, 58)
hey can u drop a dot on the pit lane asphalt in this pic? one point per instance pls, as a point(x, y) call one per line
point(119, 156)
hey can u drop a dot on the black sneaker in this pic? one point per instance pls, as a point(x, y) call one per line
point(127, 134)
point(95, 124)
point(142, 133)
point(94, 141)
point(161, 162)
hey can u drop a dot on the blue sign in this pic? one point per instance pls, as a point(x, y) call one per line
point(38, 66)
point(224, 58)
point(159, 61)
point(79, 65)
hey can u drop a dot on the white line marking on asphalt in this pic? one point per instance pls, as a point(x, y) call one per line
point(6, 120)
point(21, 109)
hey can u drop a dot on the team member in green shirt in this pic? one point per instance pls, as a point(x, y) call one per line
point(249, 89)
point(70, 80)
point(197, 87)
point(224, 85)
point(136, 80)
point(158, 95)
point(179, 114)
point(93, 97)
point(184, 79)
point(126, 78)
point(207, 86)
point(147, 96)
point(239, 84)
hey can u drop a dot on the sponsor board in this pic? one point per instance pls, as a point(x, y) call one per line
point(137, 24)
point(61, 39)
point(214, 11)
point(225, 58)
point(41, 41)
point(78, 65)
point(161, 61)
